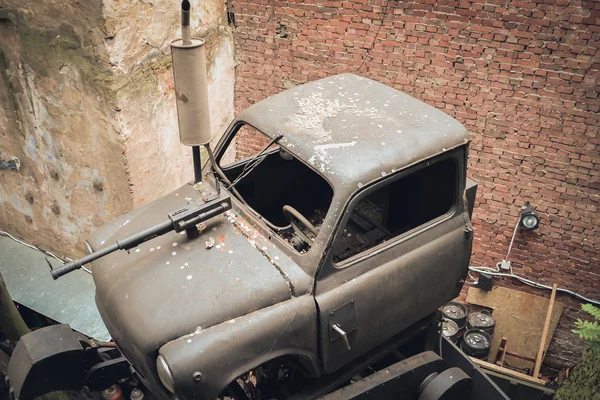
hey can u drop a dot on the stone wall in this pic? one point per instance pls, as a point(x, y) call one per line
point(87, 105)
point(56, 116)
point(138, 38)
point(522, 76)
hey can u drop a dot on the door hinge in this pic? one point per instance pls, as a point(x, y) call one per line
point(468, 231)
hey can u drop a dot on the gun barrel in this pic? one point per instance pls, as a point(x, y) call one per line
point(125, 244)
point(76, 264)
point(183, 219)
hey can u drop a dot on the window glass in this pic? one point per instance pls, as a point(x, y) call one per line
point(398, 207)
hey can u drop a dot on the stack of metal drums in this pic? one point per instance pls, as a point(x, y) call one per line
point(472, 332)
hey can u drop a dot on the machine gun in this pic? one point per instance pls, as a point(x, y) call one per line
point(183, 219)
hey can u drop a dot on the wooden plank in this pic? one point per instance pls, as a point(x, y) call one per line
point(520, 356)
point(540, 354)
point(506, 371)
point(501, 353)
point(519, 318)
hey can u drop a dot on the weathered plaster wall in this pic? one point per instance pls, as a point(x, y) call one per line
point(139, 37)
point(87, 105)
point(56, 117)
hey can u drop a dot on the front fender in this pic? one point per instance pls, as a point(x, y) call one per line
point(226, 351)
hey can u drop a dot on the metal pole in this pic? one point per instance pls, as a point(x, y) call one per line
point(197, 164)
point(186, 32)
point(11, 322)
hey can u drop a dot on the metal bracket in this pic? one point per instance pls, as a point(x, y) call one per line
point(7, 14)
point(468, 231)
point(14, 163)
point(102, 375)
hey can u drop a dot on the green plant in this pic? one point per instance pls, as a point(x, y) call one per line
point(589, 330)
point(584, 382)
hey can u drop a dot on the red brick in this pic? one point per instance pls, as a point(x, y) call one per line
point(524, 81)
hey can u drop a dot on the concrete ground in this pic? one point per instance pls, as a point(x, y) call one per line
point(68, 300)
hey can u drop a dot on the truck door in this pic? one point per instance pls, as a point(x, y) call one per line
point(400, 251)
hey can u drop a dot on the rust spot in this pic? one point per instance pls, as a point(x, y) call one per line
point(221, 238)
point(182, 97)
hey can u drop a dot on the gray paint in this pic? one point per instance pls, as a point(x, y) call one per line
point(243, 308)
point(414, 274)
point(226, 351)
point(351, 129)
point(170, 286)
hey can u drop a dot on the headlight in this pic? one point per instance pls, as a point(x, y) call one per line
point(529, 222)
point(164, 373)
point(529, 219)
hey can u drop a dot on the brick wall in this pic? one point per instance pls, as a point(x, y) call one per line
point(522, 76)
point(249, 142)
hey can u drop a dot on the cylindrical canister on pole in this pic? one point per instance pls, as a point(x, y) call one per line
point(189, 74)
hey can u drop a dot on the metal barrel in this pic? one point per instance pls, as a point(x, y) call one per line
point(125, 244)
point(476, 343)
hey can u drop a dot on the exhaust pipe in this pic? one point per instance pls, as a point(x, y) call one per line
point(189, 75)
point(186, 31)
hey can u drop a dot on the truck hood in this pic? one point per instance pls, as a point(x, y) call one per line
point(172, 286)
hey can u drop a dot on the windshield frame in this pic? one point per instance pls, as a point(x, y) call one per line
point(324, 232)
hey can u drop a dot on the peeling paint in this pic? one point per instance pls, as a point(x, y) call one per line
point(243, 227)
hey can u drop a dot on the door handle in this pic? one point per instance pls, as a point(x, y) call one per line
point(343, 334)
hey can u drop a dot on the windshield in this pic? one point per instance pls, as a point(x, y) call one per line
point(287, 195)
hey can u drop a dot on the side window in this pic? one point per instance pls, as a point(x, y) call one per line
point(398, 207)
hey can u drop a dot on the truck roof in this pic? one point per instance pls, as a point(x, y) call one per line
point(353, 129)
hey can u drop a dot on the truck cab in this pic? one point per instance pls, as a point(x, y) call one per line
point(348, 225)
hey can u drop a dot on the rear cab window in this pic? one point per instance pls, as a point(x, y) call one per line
point(397, 206)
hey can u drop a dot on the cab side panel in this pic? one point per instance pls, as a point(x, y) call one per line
point(384, 292)
point(408, 285)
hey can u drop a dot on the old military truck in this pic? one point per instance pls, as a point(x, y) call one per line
point(331, 221)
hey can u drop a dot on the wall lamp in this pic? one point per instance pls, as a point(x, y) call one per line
point(529, 220)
